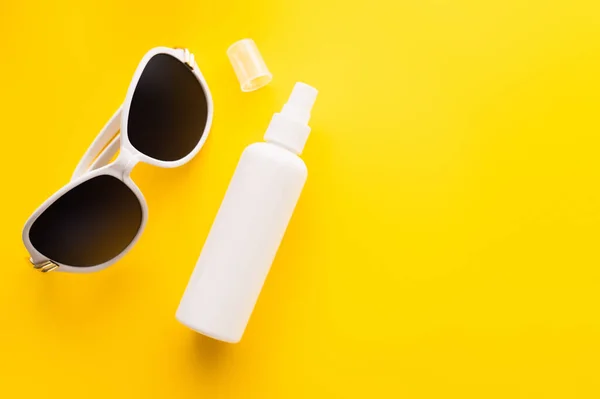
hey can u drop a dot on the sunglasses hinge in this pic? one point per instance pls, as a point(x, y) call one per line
point(44, 267)
point(188, 58)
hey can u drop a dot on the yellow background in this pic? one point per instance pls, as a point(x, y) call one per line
point(446, 244)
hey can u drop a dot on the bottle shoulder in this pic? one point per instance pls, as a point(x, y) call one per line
point(273, 153)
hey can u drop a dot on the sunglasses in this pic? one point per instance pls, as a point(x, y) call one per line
point(94, 220)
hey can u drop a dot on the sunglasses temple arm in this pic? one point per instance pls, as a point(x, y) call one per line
point(102, 149)
point(106, 155)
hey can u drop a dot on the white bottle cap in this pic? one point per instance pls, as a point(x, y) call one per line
point(289, 128)
point(248, 65)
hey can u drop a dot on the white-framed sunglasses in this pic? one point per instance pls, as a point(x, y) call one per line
point(93, 221)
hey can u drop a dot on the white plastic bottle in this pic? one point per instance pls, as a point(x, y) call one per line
point(250, 225)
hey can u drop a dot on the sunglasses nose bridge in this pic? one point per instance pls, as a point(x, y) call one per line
point(125, 161)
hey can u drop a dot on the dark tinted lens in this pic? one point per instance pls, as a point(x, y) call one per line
point(89, 225)
point(168, 111)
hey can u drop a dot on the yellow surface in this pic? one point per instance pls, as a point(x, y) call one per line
point(446, 244)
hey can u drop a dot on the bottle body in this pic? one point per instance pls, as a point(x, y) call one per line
point(243, 241)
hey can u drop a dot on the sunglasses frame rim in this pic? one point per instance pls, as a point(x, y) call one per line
point(121, 168)
point(181, 55)
point(113, 170)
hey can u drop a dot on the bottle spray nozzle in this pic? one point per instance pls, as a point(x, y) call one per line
point(300, 103)
point(290, 127)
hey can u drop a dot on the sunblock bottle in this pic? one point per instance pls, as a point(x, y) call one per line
point(249, 225)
